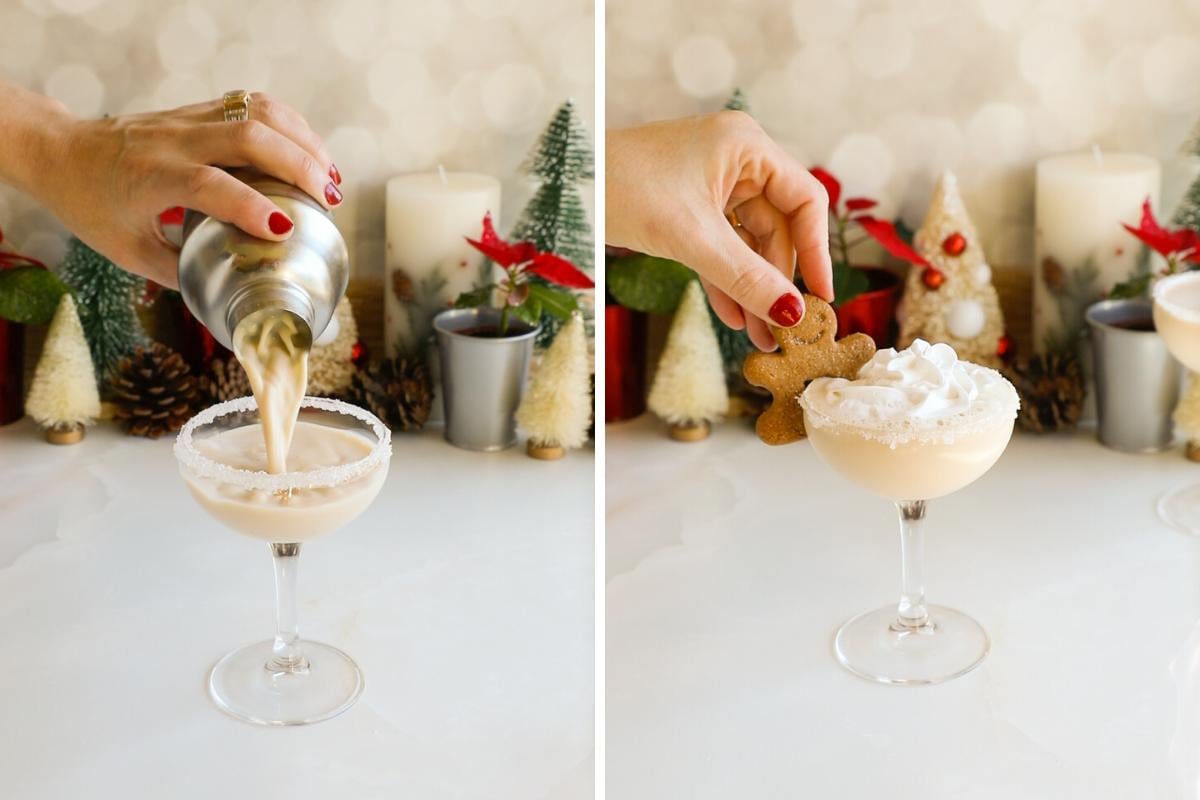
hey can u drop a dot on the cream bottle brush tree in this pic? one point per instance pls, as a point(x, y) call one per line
point(557, 408)
point(689, 390)
point(331, 362)
point(953, 300)
point(63, 397)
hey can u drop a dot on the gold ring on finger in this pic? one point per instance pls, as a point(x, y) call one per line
point(236, 105)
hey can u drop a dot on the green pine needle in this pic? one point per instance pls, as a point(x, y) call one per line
point(106, 296)
point(737, 102)
point(555, 219)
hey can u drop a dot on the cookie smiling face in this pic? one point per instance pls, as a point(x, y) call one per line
point(819, 323)
point(807, 351)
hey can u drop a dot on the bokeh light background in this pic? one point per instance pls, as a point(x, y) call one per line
point(886, 93)
point(392, 85)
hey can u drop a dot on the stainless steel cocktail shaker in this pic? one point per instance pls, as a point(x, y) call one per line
point(226, 274)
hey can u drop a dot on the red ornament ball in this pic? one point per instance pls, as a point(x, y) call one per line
point(954, 244)
point(1005, 347)
point(358, 354)
point(933, 278)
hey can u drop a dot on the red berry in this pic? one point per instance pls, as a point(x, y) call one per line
point(1005, 347)
point(358, 353)
point(933, 278)
point(954, 244)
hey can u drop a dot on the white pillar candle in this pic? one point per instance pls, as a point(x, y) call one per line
point(429, 263)
point(1080, 248)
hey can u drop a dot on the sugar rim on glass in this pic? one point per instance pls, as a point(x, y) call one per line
point(323, 478)
point(1183, 312)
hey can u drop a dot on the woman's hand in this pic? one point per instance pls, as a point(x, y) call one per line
point(109, 179)
point(717, 194)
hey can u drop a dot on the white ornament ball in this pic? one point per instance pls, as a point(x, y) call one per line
point(965, 318)
point(982, 275)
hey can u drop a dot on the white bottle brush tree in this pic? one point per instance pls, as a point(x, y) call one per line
point(557, 408)
point(63, 397)
point(689, 390)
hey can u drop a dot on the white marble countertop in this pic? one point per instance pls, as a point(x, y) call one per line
point(731, 564)
point(465, 593)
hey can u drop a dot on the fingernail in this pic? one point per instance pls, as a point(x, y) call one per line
point(787, 311)
point(333, 195)
point(335, 175)
point(279, 223)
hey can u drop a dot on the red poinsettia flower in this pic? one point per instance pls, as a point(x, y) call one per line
point(558, 270)
point(1181, 244)
point(525, 256)
point(833, 187)
point(880, 230)
point(860, 203)
point(8, 260)
point(885, 233)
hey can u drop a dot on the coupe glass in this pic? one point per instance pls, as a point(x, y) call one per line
point(1177, 320)
point(910, 643)
point(285, 681)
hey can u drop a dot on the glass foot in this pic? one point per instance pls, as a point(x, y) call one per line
point(1180, 508)
point(242, 686)
point(949, 645)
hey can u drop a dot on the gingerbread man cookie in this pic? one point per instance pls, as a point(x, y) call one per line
point(806, 351)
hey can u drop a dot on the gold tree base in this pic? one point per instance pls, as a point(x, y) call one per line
point(72, 434)
point(690, 432)
point(545, 452)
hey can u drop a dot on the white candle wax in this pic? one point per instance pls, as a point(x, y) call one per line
point(1080, 248)
point(429, 263)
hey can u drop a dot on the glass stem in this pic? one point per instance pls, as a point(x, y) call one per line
point(911, 612)
point(286, 655)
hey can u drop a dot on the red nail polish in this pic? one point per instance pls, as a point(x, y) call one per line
point(787, 311)
point(335, 175)
point(279, 223)
point(332, 195)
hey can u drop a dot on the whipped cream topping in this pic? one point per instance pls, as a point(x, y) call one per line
point(922, 392)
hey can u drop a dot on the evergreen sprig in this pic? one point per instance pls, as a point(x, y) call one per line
point(555, 219)
point(737, 102)
point(106, 296)
point(564, 153)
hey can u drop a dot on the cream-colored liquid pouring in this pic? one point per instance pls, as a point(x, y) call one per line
point(297, 515)
point(273, 346)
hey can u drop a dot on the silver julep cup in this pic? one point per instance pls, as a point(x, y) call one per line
point(482, 377)
point(226, 274)
point(1137, 379)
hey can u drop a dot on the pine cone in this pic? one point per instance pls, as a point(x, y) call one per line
point(397, 390)
point(1051, 390)
point(1053, 275)
point(154, 391)
point(224, 380)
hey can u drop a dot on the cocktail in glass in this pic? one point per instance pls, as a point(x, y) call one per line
point(911, 461)
point(336, 466)
point(1177, 320)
